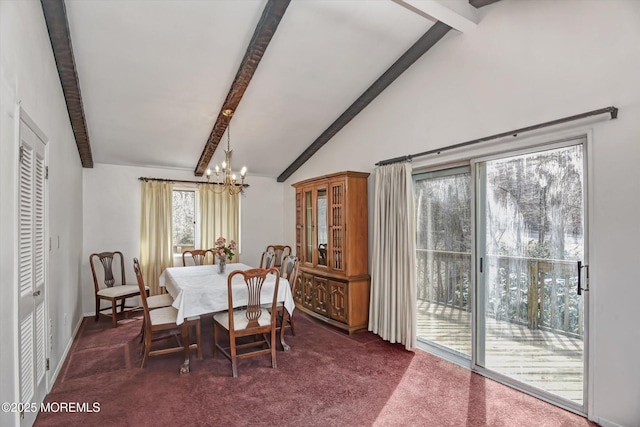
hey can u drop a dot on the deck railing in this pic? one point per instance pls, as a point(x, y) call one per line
point(444, 277)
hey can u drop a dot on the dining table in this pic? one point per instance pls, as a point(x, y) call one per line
point(202, 289)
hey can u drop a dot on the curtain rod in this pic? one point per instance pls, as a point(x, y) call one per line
point(611, 110)
point(144, 178)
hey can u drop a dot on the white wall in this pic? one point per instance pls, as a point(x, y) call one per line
point(112, 200)
point(28, 75)
point(526, 63)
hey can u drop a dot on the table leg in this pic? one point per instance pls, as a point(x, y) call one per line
point(285, 317)
point(184, 369)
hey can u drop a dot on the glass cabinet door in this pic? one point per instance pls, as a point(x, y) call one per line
point(321, 236)
point(308, 234)
point(299, 224)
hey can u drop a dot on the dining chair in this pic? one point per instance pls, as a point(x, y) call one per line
point(153, 301)
point(199, 256)
point(281, 253)
point(108, 287)
point(252, 320)
point(162, 320)
point(268, 260)
point(289, 271)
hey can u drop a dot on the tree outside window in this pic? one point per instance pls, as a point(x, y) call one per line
point(184, 224)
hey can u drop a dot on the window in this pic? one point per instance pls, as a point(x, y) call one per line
point(184, 221)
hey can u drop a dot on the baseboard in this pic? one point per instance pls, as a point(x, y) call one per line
point(65, 353)
point(606, 423)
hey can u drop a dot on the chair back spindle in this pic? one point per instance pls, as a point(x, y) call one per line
point(107, 262)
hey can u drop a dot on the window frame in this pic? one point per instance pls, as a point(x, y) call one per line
point(194, 187)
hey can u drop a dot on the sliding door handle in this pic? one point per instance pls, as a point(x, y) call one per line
point(579, 277)
point(580, 267)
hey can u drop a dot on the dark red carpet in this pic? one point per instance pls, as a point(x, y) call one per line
point(327, 379)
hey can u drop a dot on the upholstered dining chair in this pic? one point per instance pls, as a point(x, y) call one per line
point(281, 253)
point(162, 320)
point(252, 320)
point(107, 286)
point(199, 256)
point(289, 271)
point(268, 260)
point(153, 301)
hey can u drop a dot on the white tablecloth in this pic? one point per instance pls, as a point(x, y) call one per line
point(200, 289)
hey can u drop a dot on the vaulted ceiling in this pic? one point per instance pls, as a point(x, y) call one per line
point(154, 75)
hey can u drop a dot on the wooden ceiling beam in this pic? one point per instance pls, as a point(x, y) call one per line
point(419, 48)
point(55, 15)
point(271, 17)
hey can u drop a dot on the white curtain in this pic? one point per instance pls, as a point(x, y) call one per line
point(156, 232)
point(392, 307)
point(219, 217)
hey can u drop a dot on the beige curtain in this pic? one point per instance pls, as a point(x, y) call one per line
point(219, 217)
point(392, 308)
point(156, 232)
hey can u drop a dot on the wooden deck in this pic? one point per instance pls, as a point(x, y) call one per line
point(543, 359)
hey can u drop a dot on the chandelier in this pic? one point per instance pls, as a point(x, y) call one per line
point(229, 182)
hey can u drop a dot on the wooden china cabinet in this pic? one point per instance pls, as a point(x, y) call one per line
point(332, 245)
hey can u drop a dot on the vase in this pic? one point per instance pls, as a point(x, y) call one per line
point(222, 264)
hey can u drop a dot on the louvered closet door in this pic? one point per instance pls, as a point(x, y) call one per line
point(31, 278)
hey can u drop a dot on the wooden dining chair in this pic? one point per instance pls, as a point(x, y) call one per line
point(281, 253)
point(268, 260)
point(252, 320)
point(199, 256)
point(289, 271)
point(163, 319)
point(153, 301)
point(107, 286)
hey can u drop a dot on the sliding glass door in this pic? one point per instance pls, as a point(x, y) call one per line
point(530, 237)
point(498, 245)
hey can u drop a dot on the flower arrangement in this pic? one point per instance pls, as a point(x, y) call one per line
point(223, 250)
